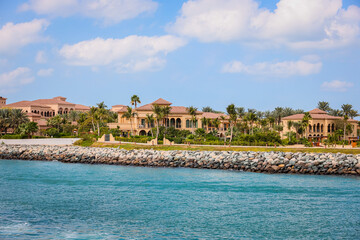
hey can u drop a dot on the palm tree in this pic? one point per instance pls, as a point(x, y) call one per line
point(289, 126)
point(159, 115)
point(223, 119)
point(192, 111)
point(205, 122)
point(101, 105)
point(306, 121)
point(17, 117)
point(166, 111)
point(251, 117)
point(101, 114)
point(92, 115)
point(129, 114)
point(240, 112)
point(232, 118)
point(216, 123)
point(5, 119)
point(278, 112)
point(325, 106)
point(297, 126)
point(150, 121)
point(346, 111)
point(29, 128)
point(135, 100)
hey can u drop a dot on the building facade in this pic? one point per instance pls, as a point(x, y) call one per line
point(321, 125)
point(179, 118)
point(41, 109)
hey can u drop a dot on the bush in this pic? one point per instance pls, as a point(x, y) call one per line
point(14, 136)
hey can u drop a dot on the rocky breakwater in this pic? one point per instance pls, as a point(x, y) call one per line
point(271, 162)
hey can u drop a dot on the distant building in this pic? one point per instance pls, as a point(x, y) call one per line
point(179, 118)
point(2, 101)
point(41, 109)
point(320, 126)
point(48, 107)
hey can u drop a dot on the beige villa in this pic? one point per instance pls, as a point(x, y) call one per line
point(320, 126)
point(178, 118)
point(41, 109)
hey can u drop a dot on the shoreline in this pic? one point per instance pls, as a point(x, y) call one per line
point(266, 162)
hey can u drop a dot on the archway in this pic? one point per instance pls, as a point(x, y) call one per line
point(178, 123)
point(172, 122)
point(142, 133)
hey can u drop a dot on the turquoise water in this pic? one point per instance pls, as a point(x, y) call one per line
point(46, 200)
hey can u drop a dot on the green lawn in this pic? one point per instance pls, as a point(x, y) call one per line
point(223, 148)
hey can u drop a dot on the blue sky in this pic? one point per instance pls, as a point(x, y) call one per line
point(255, 54)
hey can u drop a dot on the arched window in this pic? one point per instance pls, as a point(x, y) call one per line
point(178, 123)
point(310, 128)
point(187, 124)
point(329, 128)
point(333, 127)
point(172, 122)
point(318, 127)
point(322, 128)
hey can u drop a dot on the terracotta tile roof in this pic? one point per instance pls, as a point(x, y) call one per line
point(181, 109)
point(3, 98)
point(211, 115)
point(317, 111)
point(320, 116)
point(146, 107)
point(25, 104)
point(81, 107)
point(161, 101)
point(116, 106)
point(52, 101)
point(123, 109)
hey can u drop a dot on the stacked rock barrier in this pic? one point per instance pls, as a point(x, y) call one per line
point(270, 162)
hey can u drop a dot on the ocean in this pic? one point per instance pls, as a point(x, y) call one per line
point(53, 200)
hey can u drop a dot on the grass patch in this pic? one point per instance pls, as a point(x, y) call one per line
point(225, 148)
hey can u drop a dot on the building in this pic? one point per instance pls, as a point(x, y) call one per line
point(41, 109)
point(178, 118)
point(2, 101)
point(320, 126)
point(48, 107)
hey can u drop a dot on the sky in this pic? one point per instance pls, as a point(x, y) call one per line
point(254, 53)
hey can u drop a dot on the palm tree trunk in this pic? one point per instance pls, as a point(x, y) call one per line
point(131, 129)
point(157, 129)
point(231, 133)
point(98, 128)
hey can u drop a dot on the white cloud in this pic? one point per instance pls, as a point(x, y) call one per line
point(40, 57)
point(294, 23)
point(45, 72)
point(133, 53)
point(16, 78)
point(283, 69)
point(336, 86)
point(109, 11)
point(14, 36)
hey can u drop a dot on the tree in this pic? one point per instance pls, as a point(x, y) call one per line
point(17, 117)
point(325, 106)
point(159, 115)
point(100, 115)
point(278, 113)
point(135, 100)
point(231, 111)
point(129, 115)
point(101, 105)
point(346, 111)
point(56, 122)
point(251, 117)
point(192, 111)
point(306, 121)
point(289, 126)
point(166, 111)
point(5, 119)
point(150, 121)
point(205, 122)
point(29, 128)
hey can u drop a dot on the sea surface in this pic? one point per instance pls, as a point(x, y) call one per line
point(53, 200)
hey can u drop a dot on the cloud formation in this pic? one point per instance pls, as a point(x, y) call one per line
point(283, 69)
point(336, 86)
point(45, 72)
point(12, 80)
point(14, 36)
point(294, 23)
point(40, 57)
point(109, 11)
point(132, 53)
